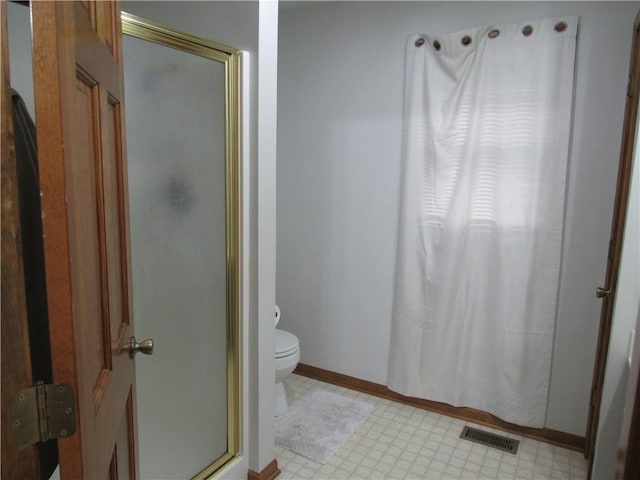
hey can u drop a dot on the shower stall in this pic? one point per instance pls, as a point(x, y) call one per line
point(182, 148)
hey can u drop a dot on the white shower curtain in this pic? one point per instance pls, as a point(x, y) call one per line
point(487, 127)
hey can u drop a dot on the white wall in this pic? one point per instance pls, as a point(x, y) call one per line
point(263, 365)
point(625, 315)
point(20, 61)
point(339, 143)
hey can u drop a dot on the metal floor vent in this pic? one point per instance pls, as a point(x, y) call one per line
point(490, 439)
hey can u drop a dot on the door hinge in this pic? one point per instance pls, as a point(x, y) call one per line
point(41, 413)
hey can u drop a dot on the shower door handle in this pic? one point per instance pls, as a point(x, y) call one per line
point(145, 346)
point(602, 292)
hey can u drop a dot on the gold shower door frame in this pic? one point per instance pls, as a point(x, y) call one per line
point(230, 57)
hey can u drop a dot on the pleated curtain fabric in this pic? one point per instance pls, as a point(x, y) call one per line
point(487, 124)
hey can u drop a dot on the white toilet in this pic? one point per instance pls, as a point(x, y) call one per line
point(287, 357)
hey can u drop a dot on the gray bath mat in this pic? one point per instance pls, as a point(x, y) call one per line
point(319, 423)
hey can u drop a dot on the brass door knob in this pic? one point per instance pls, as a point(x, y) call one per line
point(146, 347)
point(602, 292)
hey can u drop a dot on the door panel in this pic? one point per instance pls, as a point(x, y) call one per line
point(85, 241)
point(105, 24)
point(118, 284)
point(121, 464)
point(78, 87)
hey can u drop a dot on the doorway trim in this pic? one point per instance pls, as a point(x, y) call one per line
point(615, 244)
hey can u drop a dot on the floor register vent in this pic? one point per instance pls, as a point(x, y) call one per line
point(490, 439)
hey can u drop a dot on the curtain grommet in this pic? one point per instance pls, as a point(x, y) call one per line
point(560, 27)
point(494, 33)
point(419, 42)
point(436, 45)
point(527, 30)
point(466, 40)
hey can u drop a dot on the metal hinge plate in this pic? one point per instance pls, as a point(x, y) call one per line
point(41, 413)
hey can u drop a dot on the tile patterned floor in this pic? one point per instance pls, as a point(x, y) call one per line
point(402, 442)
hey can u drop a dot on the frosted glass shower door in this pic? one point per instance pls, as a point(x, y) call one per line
point(177, 150)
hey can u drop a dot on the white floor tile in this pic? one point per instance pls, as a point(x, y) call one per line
point(402, 442)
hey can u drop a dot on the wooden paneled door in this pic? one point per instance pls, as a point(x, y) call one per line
point(80, 120)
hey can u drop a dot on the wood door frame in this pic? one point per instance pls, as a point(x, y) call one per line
point(615, 245)
point(16, 356)
point(628, 463)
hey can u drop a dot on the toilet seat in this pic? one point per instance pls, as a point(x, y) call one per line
point(287, 343)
